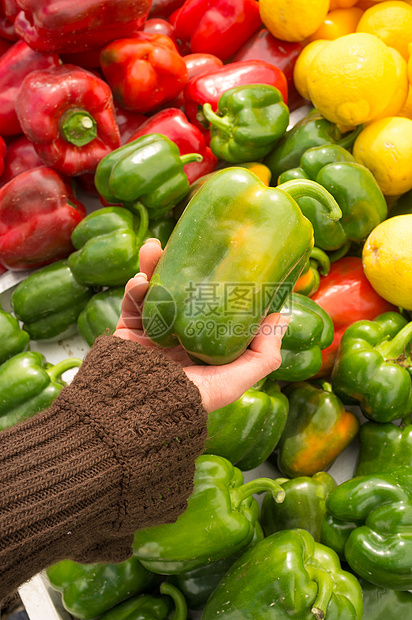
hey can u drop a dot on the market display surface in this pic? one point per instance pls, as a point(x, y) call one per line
point(268, 146)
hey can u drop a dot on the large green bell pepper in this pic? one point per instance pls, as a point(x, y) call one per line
point(147, 171)
point(312, 130)
point(372, 367)
point(161, 228)
point(309, 331)
point(248, 122)
point(369, 524)
point(101, 314)
point(384, 447)
point(352, 185)
point(384, 604)
point(219, 520)
point(49, 302)
point(89, 590)
point(303, 506)
point(13, 339)
point(107, 243)
point(237, 245)
point(28, 384)
point(317, 430)
point(287, 575)
point(151, 606)
point(247, 431)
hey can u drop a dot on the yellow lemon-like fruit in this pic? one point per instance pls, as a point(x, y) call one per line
point(400, 95)
point(385, 147)
point(300, 71)
point(391, 22)
point(353, 79)
point(293, 20)
point(338, 23)
point(387, 260)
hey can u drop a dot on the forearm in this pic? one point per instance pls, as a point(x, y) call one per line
point(113, 454)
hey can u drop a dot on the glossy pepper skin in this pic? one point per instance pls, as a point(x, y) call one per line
point(209, 87)
point(151, 607)
point(13, 339)
point(352, 185)
point(369, 523)
point(372, 367)
point(20, 157)
point(68, 114)
point(309, 331)
point(309, 280)
point(148, 170)
point(317, 430)
point(248, 121)
point(287, 575)
point(49, 302)
point(89, 590)
point(28, 384)
point(101, 314)
point(252, 225)
point(312, 130)
point(247, 431)
point(384, 447)
point(384, 604)
point(347, 280)
point(219, 28)
point(144, 71)
point(15, 65)
point(112, 231)
point(303, 507)
point(220, 515)
point(173, 124)
point(38, 214)
point(61, 26)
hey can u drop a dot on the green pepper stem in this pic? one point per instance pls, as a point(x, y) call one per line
point(392, 349)
point(189, 157)
point(325, 591)
point(298, 188)
point(348, 140)
point(322, 258)
point(178, 599)
point(326, 386)
point(141, 211)
point(78, 126)
point(217, 121)
point(259, 485)
point(56, 371)
point(340, 253)
point(405, 422)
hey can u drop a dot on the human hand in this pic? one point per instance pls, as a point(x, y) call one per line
point(218, 385)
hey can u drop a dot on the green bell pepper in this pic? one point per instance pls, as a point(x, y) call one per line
point(309, 331)
point(89, 590)
point(384, 604)
point(13, 339)
point(317, 430)
point(237, 247)
point(303, 507)
point(384, 447)
point(372, 367)
point(248, 122)
point(219, 520)
point(151, 607)
point(107, 243)
point(146, 172)
point(161, 228)
point(309, 280)
point(287, 575)
point(49, 302)
point(247, 431)
point(101, 314)
point(369, 524)
point(28, 384)
point(352, 185)
point(312, 130)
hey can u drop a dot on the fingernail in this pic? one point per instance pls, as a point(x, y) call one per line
point(141, 275)
point(154, 240)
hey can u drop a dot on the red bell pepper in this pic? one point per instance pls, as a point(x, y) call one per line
point(21, 156)
point(38, 214)
point(128, 122)
point(143, 72)
point(218, 27)
point(196, 64)
point(347, 296)
point(3, 149)
point(67, 26)
point(173, 124)
point(6, 25)
point(264, 46)
point(164, 8)
point(68, 114)
point(157, 25)
point(209, 86)
point(15, 65)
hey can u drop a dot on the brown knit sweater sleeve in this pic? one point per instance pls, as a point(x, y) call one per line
point(113, 454)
